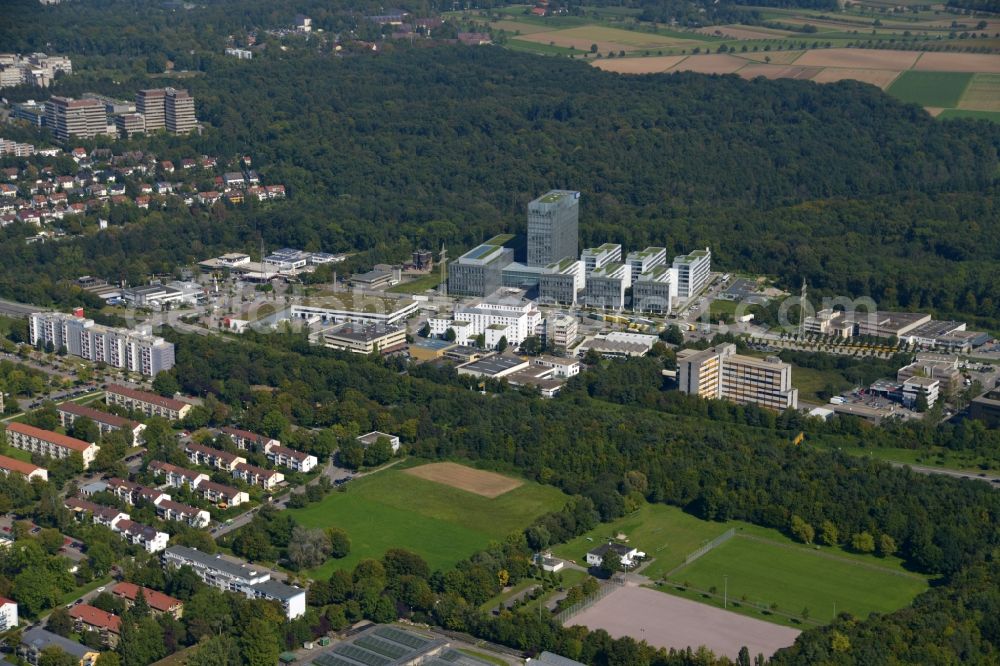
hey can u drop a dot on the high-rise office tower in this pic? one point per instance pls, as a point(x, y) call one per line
point(152, 105)
point(83, 118)
point(553, 226)
point(179, 108)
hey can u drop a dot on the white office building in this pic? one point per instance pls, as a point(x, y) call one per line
point(606, 286)
point(692, 272)
point(250, 580)
point(643, 261)
point(514, 319)
point(137, 351)
point(595, 258)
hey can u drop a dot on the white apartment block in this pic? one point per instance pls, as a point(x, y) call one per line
point(245, 439)
point(562, 367)
point(8, 614)
point(149, 404)
point(239, 577)
point(297, 461)
point(692, 272)
point(722, 374)
point(204, 455)
point(224, 495)
point(117, 521)
point(25, 469)
point(643, 261)
point(183, 513)
point(177, 477)
point(514, 320)
point(50, 444)
point(594, 258)
point(136, 351)
point(149, 539)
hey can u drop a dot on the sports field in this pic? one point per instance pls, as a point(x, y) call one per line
point(480, 482)
point(765, 572)
point(771, 568)
point(396, 508)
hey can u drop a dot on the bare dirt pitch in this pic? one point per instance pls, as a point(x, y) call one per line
point(666, 621)
point(487, 484)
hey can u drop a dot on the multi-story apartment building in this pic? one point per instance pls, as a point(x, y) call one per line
point(553, 227)
point(47, 443)
point(249, 580)
point(220, 494)
point(205, 455)
point(249, 441)
point(721, 373)
point(643, 261)
point(478, 272)
point(34, 642)
point(297, 461)
point(81, 118)
point(159, 603)
point(179, 111)
point(107, 516)
point(561, 331)
point(606, 286)
point(69, 412)
point(268, 479)
point(8, 614)
point(655, 290)
point(149, 404)
point(152, 105)
point(595, 258)
point(149, 539)
point(119, 522)
point(513, 319)
point(25, 469)
point(365, 338)
point(137, 351)
point(692, 272)
point(134, 493)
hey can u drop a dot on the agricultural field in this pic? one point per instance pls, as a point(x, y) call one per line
point(931, 89)
point(444, 524)
point(811, 577)
point(879, 44)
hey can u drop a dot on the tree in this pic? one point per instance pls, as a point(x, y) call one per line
point(921, 403)
point(259, 644)
point(611, 563)
point(502, 344)
point(308, 548)
point(216, 651)
point(378, 452)
point(425, 330)
point(60, 622)
point(449, 335)
point(85, 429)
point(593, 48)
point(101, 557)
point(340, 543)
point(828, 533)
point(36, 589)
point(802, 530)
point(109, 658)
point(886, 545)
point(55, 656)
point(863, 542)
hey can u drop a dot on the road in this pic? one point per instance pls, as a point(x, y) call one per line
point(990, 478)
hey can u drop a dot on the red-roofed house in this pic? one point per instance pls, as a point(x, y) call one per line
point(149, 404)
point(258, 476)
point(29, 471)
point(89, 618)
point(158, 601)
point(69, 412)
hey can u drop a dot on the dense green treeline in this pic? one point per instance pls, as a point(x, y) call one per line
point(838, 184)
point(714, 469)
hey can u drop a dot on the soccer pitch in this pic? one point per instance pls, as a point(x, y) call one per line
point(764, 572)
point(393, 509)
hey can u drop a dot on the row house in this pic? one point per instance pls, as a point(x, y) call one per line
point(268, 479)
point(209, 457)
point(297, 461)
point(144, 536)
point(148, 538)
point(149, 404)
point(245, 439)
point(199, 483)
point(168, 509)
point(133, 493)
point(69, 412)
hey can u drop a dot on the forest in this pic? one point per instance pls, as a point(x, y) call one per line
point(446, 145)
point(714, 467)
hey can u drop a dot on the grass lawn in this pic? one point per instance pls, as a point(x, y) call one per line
point(796, 577)
point(17, 454)
point(443, 524)
point(969, 461)
point(417, 286)
point(722, 307)
point(810, 382)
point(940, 89)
